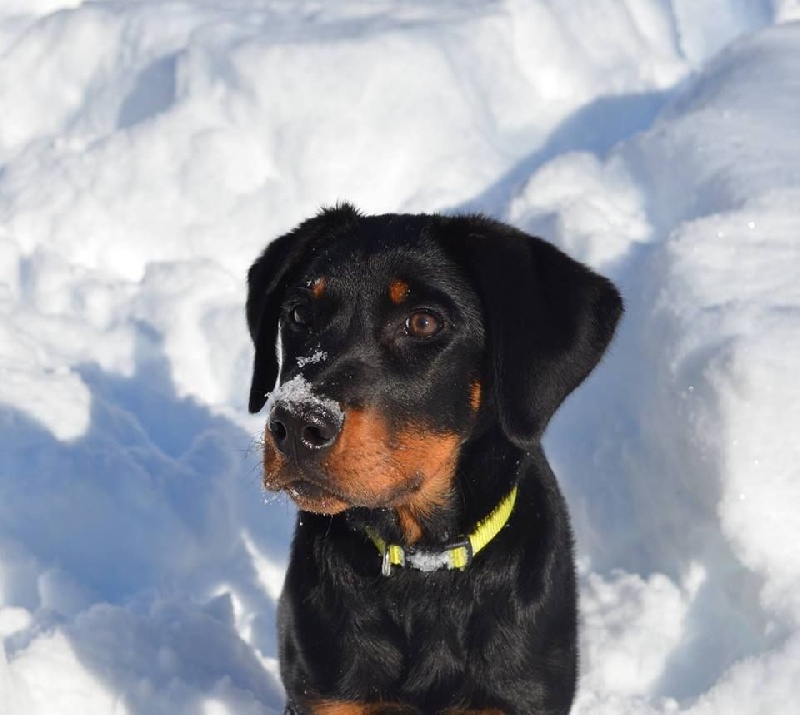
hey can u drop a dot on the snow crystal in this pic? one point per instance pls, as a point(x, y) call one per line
point(315, 357)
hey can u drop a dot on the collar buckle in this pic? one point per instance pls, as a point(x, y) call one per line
point(461, 560)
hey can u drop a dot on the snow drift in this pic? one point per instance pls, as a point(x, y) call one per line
point(148, 150)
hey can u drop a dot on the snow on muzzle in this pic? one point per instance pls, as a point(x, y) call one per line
point(301, 423)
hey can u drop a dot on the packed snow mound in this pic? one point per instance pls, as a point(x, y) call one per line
point(149, 150)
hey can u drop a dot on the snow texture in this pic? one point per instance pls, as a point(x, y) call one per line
point(429, 560)
point(150, 148)
point(316, 357)
point(297, 395)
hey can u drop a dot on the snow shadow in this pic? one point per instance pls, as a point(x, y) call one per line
point(595, 127)
point(153, 93)
point(638, 452)
point(148, 541)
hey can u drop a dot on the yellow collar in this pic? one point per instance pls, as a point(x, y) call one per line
point(457, 554)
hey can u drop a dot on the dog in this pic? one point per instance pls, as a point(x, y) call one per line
point(409, 365)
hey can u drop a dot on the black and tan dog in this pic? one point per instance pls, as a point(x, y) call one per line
point(419, 359)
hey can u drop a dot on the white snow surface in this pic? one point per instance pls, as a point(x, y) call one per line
point(148, 151)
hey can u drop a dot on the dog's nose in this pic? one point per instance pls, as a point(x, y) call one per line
point(301, 430)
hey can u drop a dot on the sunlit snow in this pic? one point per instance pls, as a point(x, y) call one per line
point(148, 151)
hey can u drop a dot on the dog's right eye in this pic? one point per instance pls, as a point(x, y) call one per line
point(301, 315)
point(423, 324)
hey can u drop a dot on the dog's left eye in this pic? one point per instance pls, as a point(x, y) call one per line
point(301, 315)
point(423, 324)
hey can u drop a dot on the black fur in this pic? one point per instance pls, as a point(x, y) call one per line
point(530, 324)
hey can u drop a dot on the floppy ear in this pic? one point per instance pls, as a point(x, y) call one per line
point(549, 319)
point(271, 274)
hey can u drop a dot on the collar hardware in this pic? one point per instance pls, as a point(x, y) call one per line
point(386, 563)
point(456, 555)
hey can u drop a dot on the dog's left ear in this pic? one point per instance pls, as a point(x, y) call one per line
point(549, 319)
point(271, 274)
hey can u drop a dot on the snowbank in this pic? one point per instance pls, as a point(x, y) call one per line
point(148, 150)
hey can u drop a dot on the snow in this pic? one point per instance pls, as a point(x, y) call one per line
point(316, 357)
point(148, 151)
point(298, 396)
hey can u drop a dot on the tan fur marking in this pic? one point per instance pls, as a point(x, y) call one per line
point(433, 455)
point(409, 525)
point(331, 707)
point(398, 291)
point(360, 463)
point(329, 504)
point(318, 287)
point(273, 461)
point(277, 476)
point(412, 472)
point(475, 395)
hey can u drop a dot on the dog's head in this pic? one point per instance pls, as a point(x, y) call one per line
point(385, 340)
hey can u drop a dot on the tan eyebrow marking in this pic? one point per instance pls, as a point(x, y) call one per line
point(318, 287)
point(475, 395)
point(398, 291)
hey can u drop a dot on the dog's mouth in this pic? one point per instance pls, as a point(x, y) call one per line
point(310, 495)
point(304, 489)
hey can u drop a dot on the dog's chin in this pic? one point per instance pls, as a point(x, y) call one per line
point(312, 497)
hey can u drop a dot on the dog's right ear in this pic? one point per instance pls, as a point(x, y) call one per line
point(267, 280)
